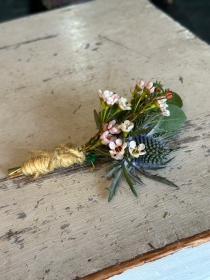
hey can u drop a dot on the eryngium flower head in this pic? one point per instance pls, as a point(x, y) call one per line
point(156, 152)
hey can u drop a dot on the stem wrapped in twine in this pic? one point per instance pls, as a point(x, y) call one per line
point(43, 162)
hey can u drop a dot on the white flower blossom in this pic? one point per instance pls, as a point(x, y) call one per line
point(123, 104)
point(136, 151)
point(165, 113)
point(100, 94)
point(162, 102)
point(163, 105)
point(109, 97)
point(117, 149)
point(126, 126)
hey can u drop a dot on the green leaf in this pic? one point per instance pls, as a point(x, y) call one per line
point(174, 121)
point(133, 173)
point(168, 134)
point(97, 120)
point(110, 113)
point(155, 129)
point(111, 171)
point(129, 180)
point(159, 179)
point(151, 120)
point(146, 123)
point(114, 184)
point(176, 100)
point(136, 178)
point(140, 131)
point(158, 85)
point(103, 152)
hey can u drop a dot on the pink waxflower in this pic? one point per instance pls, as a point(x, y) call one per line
point(149, 86)
point(112, 127)
point(117, 149)
point(140, 83)
point(106, 137)
point(132, 89)
point(109, 97)
point(105, 126)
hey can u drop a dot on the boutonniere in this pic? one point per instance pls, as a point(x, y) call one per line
point(134, 136)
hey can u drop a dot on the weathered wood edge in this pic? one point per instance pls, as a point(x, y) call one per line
point(139, 260)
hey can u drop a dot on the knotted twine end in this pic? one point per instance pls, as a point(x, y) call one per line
point(43, 162)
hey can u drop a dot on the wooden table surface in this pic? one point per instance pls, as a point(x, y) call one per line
point(52, 64)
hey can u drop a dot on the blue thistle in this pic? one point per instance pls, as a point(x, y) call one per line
point(156, 149)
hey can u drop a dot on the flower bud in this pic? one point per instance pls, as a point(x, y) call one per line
point(169, 95)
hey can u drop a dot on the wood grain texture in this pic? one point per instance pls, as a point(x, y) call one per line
point(61, 225)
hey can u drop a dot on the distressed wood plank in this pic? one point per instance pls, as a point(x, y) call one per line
point(51, 223)
point(61, 226)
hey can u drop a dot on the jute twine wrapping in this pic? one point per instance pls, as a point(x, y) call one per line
point(43, 162)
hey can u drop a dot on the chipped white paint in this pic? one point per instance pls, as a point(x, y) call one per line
point(52, 65)
point(187, 264)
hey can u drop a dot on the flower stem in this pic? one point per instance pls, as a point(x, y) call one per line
point(117, 111)
point(87, 146)
point(104, 113)
point(143, 110)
